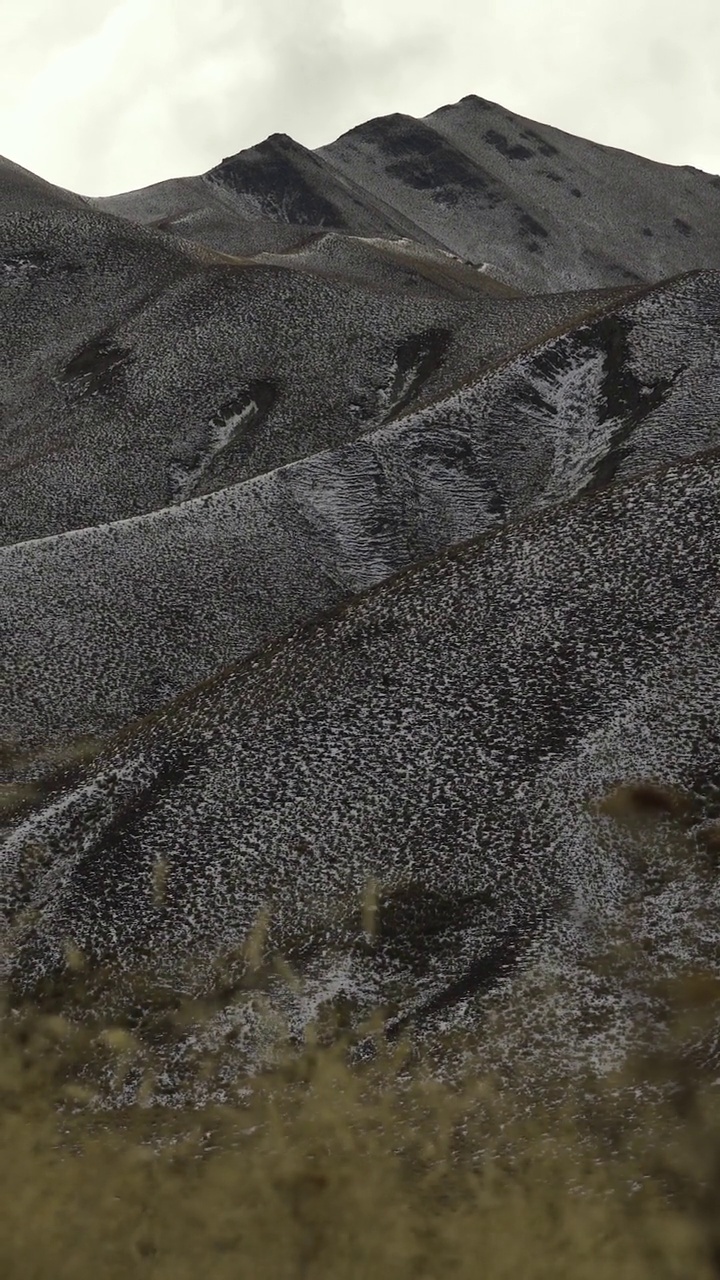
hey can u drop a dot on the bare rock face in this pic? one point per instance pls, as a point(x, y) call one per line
point(343, 581)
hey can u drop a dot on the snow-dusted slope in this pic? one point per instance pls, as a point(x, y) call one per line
point(546, 209)
point(442, 737)
point(106, 623)
point(135, 373)
point(24, 192)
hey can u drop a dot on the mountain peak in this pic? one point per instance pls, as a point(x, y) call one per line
point(360, 526)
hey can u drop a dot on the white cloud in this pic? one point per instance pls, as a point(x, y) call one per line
point(105, 95)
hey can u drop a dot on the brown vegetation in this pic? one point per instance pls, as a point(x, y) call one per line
point(644, 801)
point(321, 1169)
point(326, 1167)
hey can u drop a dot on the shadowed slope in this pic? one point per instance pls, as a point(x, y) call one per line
point(136, 374)
point(24, 192)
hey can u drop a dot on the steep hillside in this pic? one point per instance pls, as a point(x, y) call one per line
point(136, 374)
point(359, 555)
point(107, 623)
point(441, 738)
point(24, 192)
point(543, 208)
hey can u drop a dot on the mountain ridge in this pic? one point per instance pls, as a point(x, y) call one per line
point(371, 553)
point(485, 144)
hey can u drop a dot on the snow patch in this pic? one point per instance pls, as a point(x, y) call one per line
point(184, 480)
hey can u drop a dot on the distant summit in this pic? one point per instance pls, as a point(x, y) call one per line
point(547, 210)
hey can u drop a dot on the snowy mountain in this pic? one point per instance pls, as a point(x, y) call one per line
point(350, 564)
point(106, 623)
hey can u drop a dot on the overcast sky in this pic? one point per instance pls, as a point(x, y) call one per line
point(107, 95)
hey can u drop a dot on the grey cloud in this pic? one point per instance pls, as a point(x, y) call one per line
point(319, 76)
point(189, 83)
point(216, 79)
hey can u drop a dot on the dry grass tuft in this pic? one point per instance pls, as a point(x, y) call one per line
point(329, 1171)
point(16, 796)
point(645, 801)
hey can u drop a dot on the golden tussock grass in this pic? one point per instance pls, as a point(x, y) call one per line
point(323, 1169)
point(331, 1165)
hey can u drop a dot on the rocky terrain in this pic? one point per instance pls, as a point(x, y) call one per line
point(359, 549)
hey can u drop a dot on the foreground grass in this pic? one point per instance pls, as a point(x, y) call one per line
point(328, 1170)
